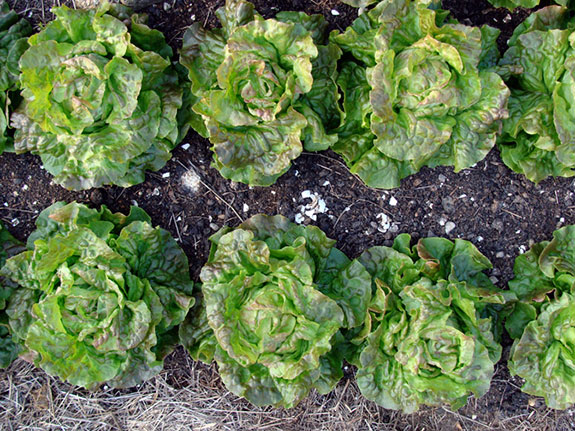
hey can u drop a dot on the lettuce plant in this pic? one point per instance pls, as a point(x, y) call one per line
point(261, 87)
point(275, 296)
point(539, 66)
point(429, 336)
point(100, 98)
point(12, 43)
point(417, 92)
point(100, 295)
point(512, 4)
point(542, 321)
point(9, 246)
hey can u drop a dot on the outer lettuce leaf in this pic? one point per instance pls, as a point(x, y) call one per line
point(542, 321)
point(275, 296)
point(426, 98)
point(263, 87)
point(100, 98)
point(99, 297)
point(539, 67)
point(9, 246)
point(13, 31)
point(428, 337)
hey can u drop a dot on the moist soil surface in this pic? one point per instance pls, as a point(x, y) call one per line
point(502, 213)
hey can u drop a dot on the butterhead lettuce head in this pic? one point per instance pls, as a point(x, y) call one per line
point(429, 335)
point(99, 296)
point(275, 296)
point(263, 86)
point(100, 98)
point(13, 31)
point(417, 92)
point(539, 66)
point(9, 246)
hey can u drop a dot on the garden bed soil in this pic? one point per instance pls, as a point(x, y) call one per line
point(501, 212)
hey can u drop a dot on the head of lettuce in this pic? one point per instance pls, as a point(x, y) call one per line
point(100, 98)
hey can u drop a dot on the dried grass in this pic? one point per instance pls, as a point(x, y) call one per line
point(190, 396)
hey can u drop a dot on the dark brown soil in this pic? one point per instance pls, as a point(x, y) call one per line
point(501, 212)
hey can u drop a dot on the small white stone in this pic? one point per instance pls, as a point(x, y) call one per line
point(191, 180)
point(246, 208)
point(15, 222)
point(214, 226)
point(325, 184)
point(522, 249)
point(479, 238)
point(442, 178)
point(134, 202)
point(166, 175)
point(562, 220)
point(449, 226)
point(500, 255)
point(334, 12)
point(392, 201)
point(298, 218)
point(442, 221)
point(25, 187)
point(156, 192)
point(185, 147)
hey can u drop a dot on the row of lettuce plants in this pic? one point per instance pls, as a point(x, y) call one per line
point(98, 96)
point(96, 298)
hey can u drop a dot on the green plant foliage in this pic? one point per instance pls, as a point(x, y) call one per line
point(430, 334)
point(9, 246)
point(512, 4)
point(417, 92)
point(262, 86)
point(12, 44)
point(100, 98)
point(100, 295)
point(542, 321)
point(539, 66)
point(275, 296)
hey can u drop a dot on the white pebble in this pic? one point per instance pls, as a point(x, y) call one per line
point(334, 12)
point(166, 175)
point(449, 226)
point(246, 208)
point(392, 201)
point(185, 146)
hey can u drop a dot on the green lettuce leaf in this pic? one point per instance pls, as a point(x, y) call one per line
point(100, 98)
point(275, 296)
point(418, 91)
point(99, 297)
point(428, 337)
